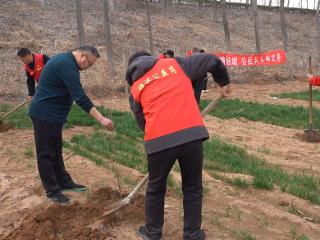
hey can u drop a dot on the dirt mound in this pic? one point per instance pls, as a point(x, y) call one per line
point(74, 221)
point(4, 126)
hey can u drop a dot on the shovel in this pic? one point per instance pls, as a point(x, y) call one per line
point(4, 116)
point(119, 204)
point(311, 134)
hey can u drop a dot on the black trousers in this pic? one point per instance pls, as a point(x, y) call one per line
point(48, 140)
point(205, 83)
point(190, 157)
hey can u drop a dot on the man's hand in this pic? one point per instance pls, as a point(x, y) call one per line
point(225, 90)
point(107, 123)
point(29, 97)
point(309, 76)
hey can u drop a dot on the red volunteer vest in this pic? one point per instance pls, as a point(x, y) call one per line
point(38, 66)
point(161, 56)
point(315, 80)
point(167, 98)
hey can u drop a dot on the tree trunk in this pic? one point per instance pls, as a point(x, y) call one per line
point(44, 3)
point(149, 27)
point(111, 6)
point(256, 24)
point(318, 27)
point(288, 3)
point(270, 3)
point(226, 25)
point(107, 34)
point(283, 26)
point(80, 22)
point(124, 66)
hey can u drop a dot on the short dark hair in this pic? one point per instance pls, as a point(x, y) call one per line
point(202, 51)
point(89, 49)
point(22, 52)
point(137, 54)
point(195, 50)
point(170, 53)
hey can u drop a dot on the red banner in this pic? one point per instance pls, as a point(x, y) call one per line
point(274, 57)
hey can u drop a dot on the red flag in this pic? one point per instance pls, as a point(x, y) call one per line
point(315, 80)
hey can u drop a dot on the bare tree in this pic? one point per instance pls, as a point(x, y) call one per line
point(80, 22)
point(283, 25)
point(44, 3)
point(318, 26)
point(256, 24)
point(288, 3)
point(107, 33)
point(149, 27)
point(270, 3)
point(226, 25)
point(165, 3)
point(111, 6)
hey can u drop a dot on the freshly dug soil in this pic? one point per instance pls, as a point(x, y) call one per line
point(73, 221)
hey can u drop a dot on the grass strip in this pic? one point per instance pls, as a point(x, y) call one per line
point(299, 95)
point(279, 115)
point(226, 157)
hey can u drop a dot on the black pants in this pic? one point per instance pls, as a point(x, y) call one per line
point(48, 139)
point(190, 157)
point(205, 83)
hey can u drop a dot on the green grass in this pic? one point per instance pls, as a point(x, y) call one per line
point(124, 121)
point(222, 156)
point(126, 146)
point(280, 115)
point(19, 119)
point(29, 152)
point(299, 95)
point(124, 150)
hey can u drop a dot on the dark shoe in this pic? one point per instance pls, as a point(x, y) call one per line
point(73, 187)
point(142, 233)
point(202, 235)
point(59, 198)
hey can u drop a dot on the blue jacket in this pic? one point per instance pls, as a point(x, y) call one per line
point(59, 87)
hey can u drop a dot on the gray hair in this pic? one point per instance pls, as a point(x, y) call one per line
point(89, 49)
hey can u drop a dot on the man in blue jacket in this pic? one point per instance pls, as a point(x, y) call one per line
point(59, 87)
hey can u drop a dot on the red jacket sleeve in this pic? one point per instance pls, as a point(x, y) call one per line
point(315, 80)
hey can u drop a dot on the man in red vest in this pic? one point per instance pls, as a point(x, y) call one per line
point(163, 102)
point(34, 64)
point(314, 80)
point(167, 54)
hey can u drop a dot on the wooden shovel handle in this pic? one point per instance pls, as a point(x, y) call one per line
point(14, 110)
point(211, 106)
